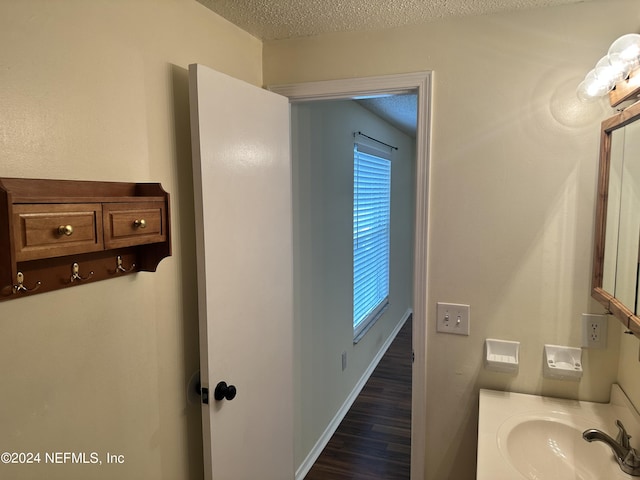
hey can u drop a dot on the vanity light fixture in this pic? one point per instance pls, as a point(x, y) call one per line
point(621, 61)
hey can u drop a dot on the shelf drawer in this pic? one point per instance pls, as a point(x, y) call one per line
point(139, 223)
point(53, 230)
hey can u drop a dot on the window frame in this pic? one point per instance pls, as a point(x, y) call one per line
point(374, 158)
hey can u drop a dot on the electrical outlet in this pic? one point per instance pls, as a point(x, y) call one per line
point(453, 318)
point(344, 361)
point(594, 330)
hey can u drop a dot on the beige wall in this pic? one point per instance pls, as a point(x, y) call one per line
point(98, 90)
point(513, 175)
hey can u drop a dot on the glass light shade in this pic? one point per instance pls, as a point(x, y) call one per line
point(627, 47)
point(620, 64)
point(611, 72)
point(592, 88)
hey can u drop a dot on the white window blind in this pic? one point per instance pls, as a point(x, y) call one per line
point(371, 223)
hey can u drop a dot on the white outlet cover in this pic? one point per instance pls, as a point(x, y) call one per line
point(453, 318)
point(602, 321)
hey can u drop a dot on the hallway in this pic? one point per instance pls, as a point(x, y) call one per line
point(373, 442)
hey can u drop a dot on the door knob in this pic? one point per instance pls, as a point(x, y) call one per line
point(223, 391)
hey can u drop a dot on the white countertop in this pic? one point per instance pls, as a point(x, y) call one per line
point(501, 409)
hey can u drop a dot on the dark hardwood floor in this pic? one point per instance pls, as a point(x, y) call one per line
point(373, 442)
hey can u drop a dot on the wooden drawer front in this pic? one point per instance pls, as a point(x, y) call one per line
point(134, 224)
point(38, 233)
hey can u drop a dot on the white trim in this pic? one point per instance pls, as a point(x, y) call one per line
point(322, 442)
point(420, 276)
point(364, 326)
point(395, 84)
point(352, 87)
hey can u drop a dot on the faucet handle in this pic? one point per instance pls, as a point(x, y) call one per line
point(623, 436)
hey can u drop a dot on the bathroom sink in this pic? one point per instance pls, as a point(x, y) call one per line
point(531, 437)
point(549, 446)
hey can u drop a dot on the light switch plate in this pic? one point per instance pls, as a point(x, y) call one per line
point(453, 318)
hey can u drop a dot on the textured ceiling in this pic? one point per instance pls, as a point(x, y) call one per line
point(279, 19)
point(399, 110)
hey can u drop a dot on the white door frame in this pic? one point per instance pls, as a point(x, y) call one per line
point(419, 82)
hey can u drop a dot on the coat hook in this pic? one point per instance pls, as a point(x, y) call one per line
point(75, 273)
point(19, 286)
point(120, 267)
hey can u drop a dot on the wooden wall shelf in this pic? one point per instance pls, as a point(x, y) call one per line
point(62, 233)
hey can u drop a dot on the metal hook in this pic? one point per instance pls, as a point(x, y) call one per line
point(120, 267)
point(75, 273)
point(19, 286)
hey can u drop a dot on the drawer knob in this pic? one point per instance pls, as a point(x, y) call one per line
point(140, 223)
point(65, 230)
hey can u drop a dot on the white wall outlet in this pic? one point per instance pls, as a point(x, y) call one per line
point(453, 318)
point(594, 330)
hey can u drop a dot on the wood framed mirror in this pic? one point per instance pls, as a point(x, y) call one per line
point(616, 267)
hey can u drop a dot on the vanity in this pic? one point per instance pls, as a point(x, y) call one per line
point(541, 438)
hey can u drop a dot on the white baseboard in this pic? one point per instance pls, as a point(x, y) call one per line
point(317, 449)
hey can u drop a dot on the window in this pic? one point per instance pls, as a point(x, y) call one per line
point(371, 222)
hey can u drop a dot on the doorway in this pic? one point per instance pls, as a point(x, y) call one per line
point(419, 83)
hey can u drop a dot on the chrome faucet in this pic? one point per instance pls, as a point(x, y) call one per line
point(627, 457)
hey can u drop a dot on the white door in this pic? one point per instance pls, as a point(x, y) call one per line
point(242, 183)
